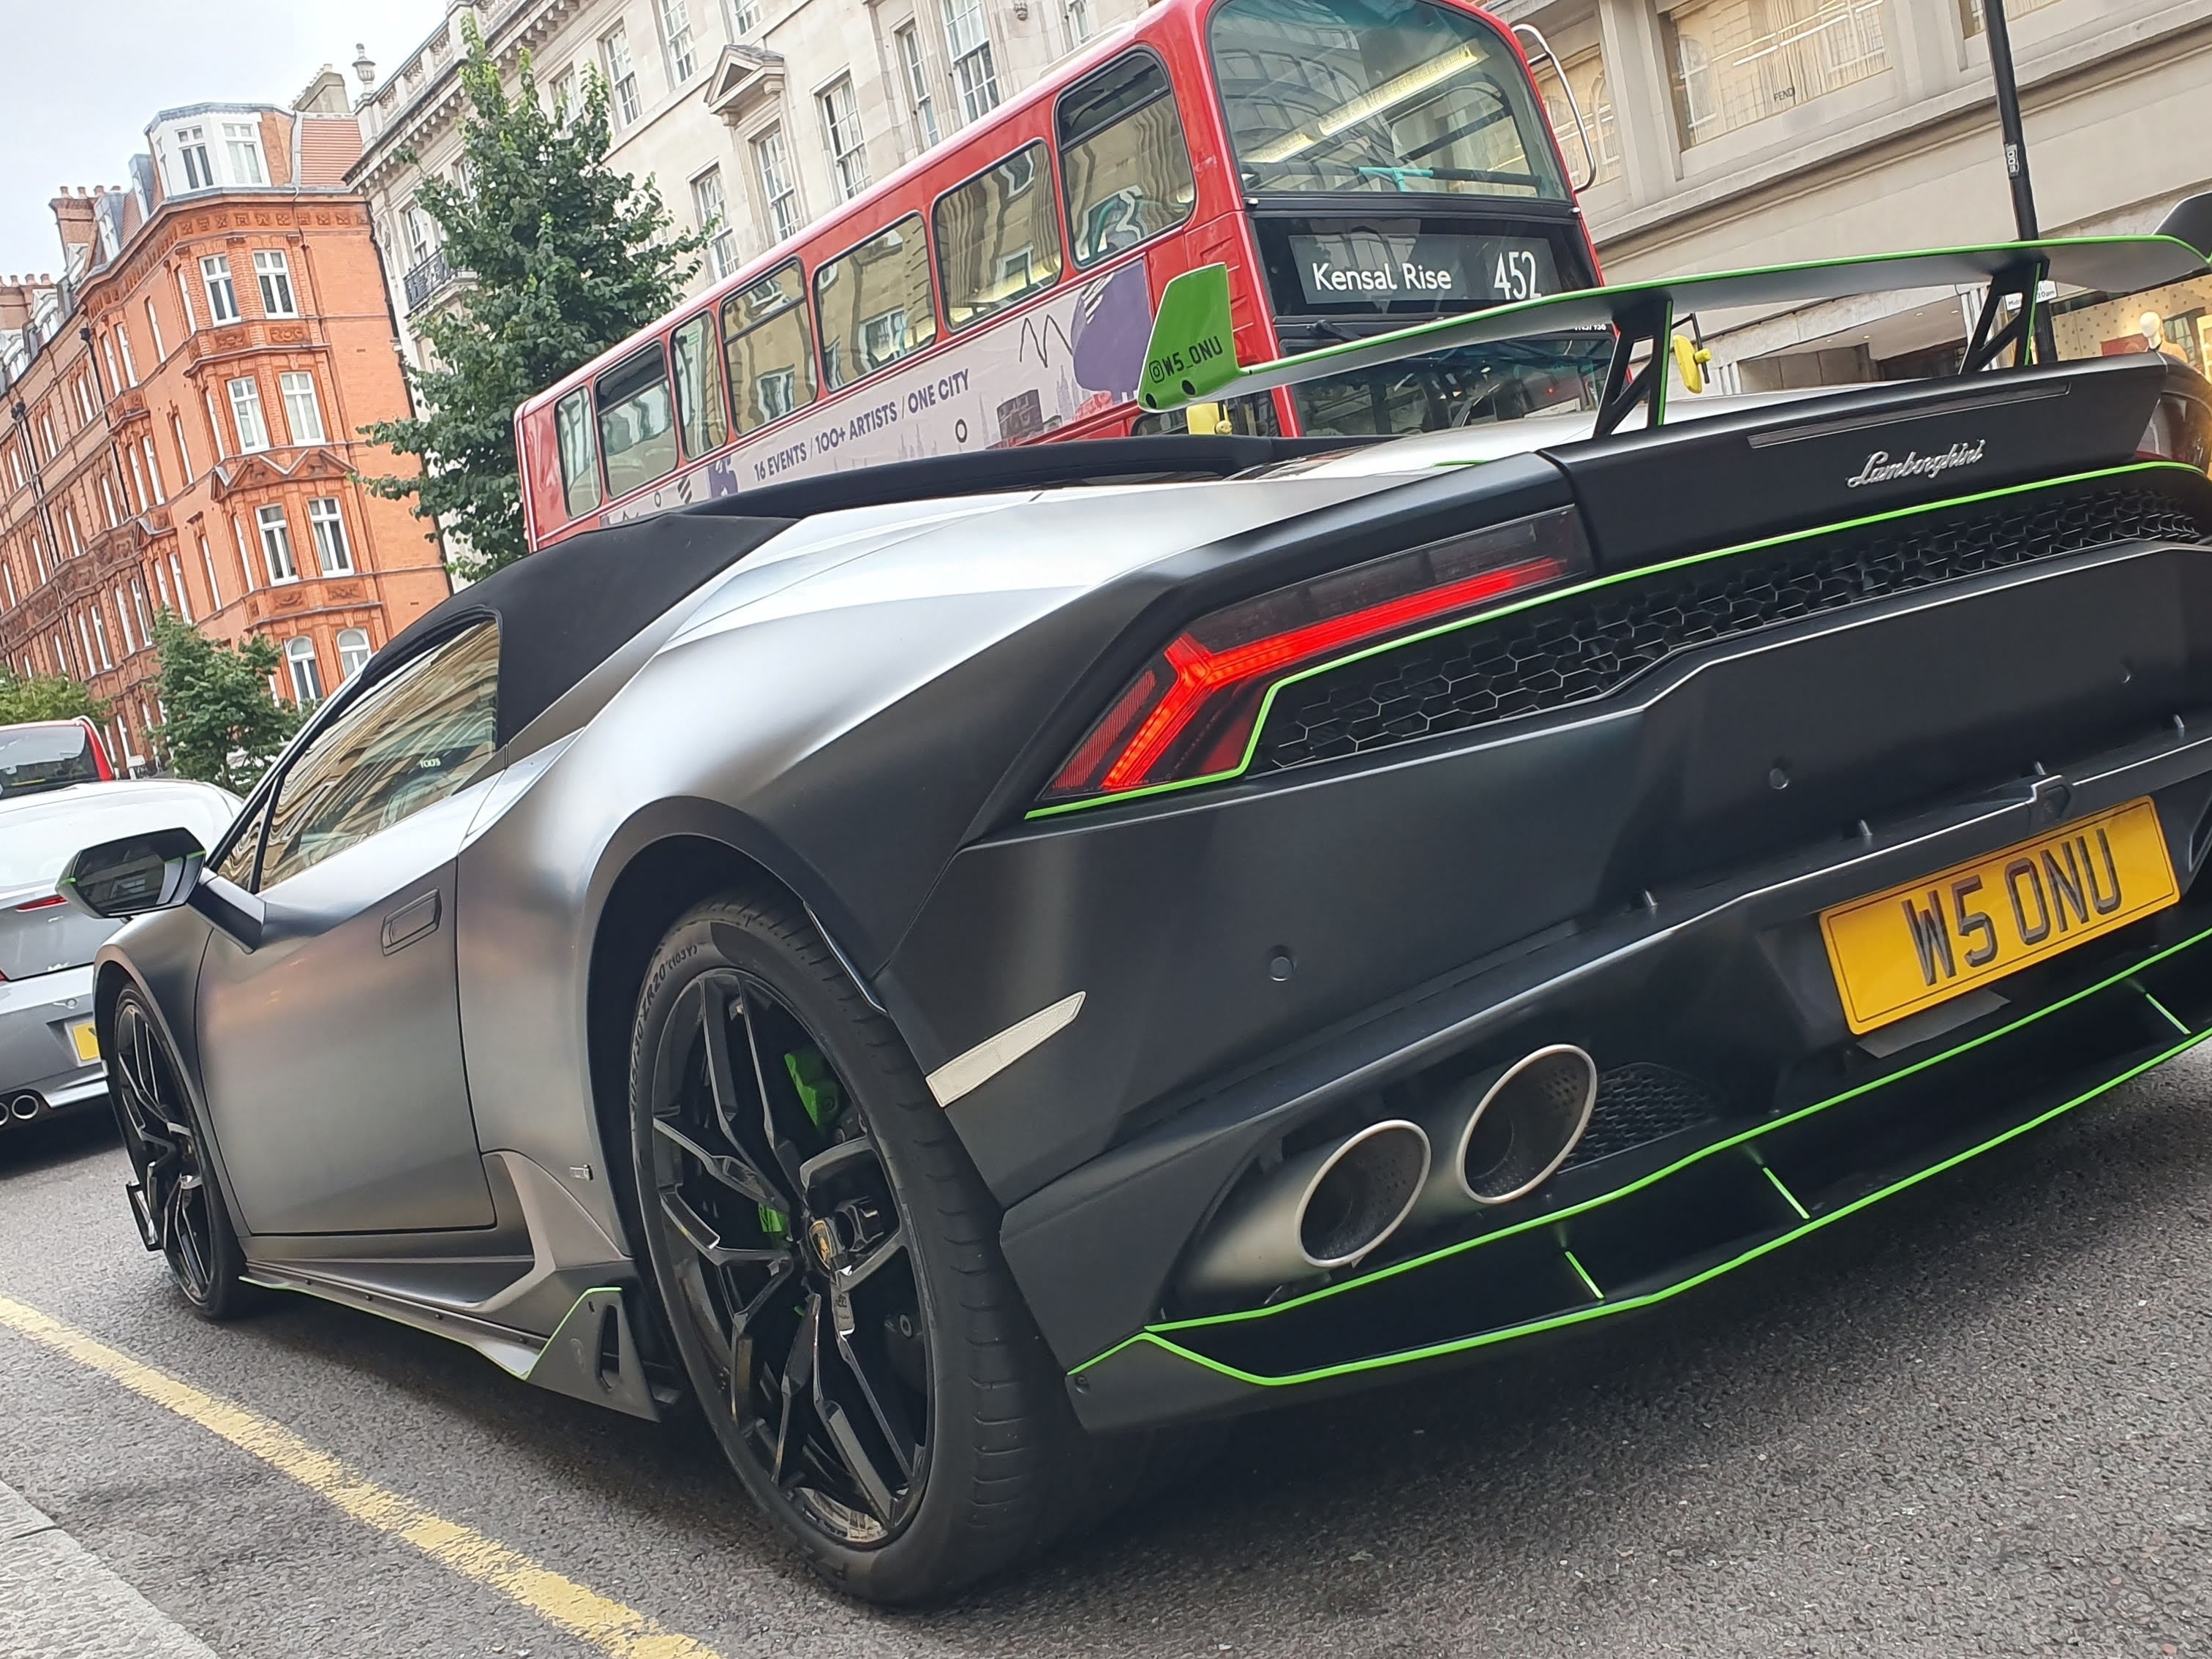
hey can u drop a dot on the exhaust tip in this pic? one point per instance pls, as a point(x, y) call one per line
point(24, 1108)
point(1360, 1194)
point(1504, 1132)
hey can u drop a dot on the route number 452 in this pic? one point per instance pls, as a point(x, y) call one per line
point(1515, 278)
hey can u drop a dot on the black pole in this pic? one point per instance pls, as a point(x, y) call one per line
point(2015, 152)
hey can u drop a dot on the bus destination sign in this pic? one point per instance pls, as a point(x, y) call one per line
point(1370, 267)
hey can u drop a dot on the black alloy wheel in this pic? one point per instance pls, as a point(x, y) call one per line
point(175, 1200)
point(877, 1386)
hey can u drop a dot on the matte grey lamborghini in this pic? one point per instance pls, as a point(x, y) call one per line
point(964, 967)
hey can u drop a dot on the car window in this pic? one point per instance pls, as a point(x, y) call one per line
point(416, 737)
point(45, 756)
point(236, 864)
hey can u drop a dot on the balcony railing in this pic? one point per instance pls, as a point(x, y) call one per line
point(427, 280)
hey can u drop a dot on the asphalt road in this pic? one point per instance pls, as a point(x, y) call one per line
point(1972, 1422)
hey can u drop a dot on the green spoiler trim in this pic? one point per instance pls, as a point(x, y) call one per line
point(1268, 703)
point(1158, 1336)
point(1184, 362)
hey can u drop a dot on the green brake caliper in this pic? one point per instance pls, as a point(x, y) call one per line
point(819, 1094)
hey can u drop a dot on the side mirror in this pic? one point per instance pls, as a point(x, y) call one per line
point(155, 870)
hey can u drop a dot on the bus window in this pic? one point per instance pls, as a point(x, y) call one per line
point(700, 410)
point(1378, 95)
point(768, 346)
point(998, 239)
point(875, 304)
point(580, 457)
point(1123, 163)
point(637, 431)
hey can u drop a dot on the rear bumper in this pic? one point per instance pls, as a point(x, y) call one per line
point(37, 1058)
point(1681, 1212)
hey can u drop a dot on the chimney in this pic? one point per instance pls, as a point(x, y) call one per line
point(324, 95)
point(73, 218)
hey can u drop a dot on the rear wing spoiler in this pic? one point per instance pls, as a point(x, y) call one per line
point(1191, 356)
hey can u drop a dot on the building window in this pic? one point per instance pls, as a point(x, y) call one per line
point(84, 405)
point(154, 328)
point(306, 679)
point(745, 17)
point(274, 272)
point(1079, 23)
point(1971, 19)
point(191, 147)
point(184, 296)
point(214, 425)
point(215, 586)
point(108, 503)
point(245, 563)
point(153, 467)
point(123, 345)
point(123, 623)
point(145, 616)
point(1586, 81)
point(327, 525)
point(107, 350)
point(707, 203)
point(46, 426)
point(972, 69)
point(246, 412)
point(99, 635)
point(303, 416)
point(75, 538)
point(1736, 63)
point(779, 194)
point(221, 297)
point(841, 129)
point(177, 437)
point(242, 140)
point(564, 98)
point(139, 480)
point(353, 651)
point(277, 544)
point(908, 43)
point(621, 76)
point(419, 235)
point(676, 36)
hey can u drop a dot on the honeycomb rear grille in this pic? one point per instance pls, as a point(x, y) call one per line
point(1638, 1102)
point(1574, 650)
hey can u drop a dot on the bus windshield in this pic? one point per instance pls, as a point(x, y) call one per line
point(1378, 95)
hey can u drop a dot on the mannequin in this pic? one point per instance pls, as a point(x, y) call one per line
point(2153, 329)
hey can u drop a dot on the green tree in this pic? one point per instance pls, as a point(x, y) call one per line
point(224, 725)
point(45, 697)
point(560, 258)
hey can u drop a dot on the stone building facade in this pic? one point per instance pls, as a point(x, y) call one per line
point(182, 409)
point(1739, 133)
point(753, 116)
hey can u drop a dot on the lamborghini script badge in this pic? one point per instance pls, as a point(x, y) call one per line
point(1879, 469)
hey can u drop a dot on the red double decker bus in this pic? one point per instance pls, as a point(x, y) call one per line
point(1356, 164)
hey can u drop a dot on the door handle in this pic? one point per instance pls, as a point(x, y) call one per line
point(411, 921)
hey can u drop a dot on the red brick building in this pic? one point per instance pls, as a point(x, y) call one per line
point(179, 412)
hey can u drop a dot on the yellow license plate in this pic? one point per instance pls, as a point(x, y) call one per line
point(86, 1041)
point(1898, 952)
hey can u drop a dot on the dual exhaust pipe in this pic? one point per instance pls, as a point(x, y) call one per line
point(1493, 1138)
point(24, 1107)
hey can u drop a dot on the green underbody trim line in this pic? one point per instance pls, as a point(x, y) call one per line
point(2168, 1013)
point(1788, 1197)
point(1267, 703)
point(1603, 1309)
point(1583, 1273)
point(1747, 1138)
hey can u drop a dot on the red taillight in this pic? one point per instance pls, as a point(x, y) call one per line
point(1191, 712)
point(45, 903)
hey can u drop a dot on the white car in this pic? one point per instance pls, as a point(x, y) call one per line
point(49, 1058)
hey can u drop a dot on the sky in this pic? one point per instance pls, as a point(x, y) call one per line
point(84, 78)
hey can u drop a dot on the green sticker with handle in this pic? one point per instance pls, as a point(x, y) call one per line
point(1191, 354)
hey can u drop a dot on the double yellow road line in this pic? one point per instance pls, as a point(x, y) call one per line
point(620, 1631)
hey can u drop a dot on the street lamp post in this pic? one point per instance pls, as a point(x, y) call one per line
point(2015, 154)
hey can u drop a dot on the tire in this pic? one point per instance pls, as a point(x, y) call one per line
point(176, 1198)
point(914, 1436)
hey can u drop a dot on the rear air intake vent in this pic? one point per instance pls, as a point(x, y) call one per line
point(1574, 650)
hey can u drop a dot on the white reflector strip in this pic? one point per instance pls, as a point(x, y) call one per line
point(994, 1055)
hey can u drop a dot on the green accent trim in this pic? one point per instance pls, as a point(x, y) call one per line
point(818, 1086)
point(575, 1308)
point(1583, 1273)
point(1579, 1316)
point(1788, 1197)
point(2171, 1018)
point(771, 1221)
point(1267, 703)
point(1742, 1139)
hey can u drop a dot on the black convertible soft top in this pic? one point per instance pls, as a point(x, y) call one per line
point(564, 611)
